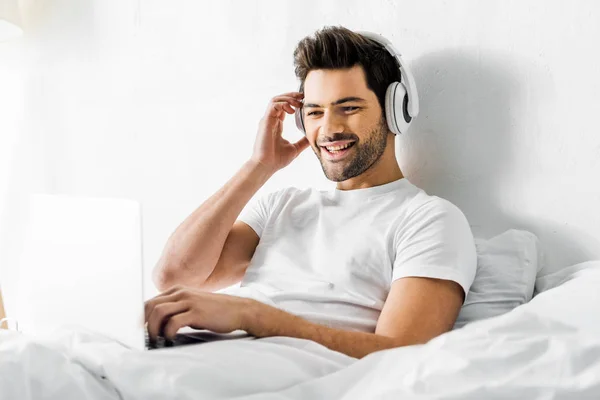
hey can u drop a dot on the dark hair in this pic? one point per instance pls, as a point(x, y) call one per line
point(339, 48)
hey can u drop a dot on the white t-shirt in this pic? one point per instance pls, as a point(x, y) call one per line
point(331, 256)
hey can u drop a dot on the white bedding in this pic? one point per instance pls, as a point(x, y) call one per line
point(546, 349)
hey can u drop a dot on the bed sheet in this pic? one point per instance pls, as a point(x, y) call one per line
point(546, 349)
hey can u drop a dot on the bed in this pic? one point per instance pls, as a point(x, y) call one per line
point(548, 348)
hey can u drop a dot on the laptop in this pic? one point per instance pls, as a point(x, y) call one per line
point(81, 266)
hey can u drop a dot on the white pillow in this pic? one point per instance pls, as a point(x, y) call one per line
point(507, 265)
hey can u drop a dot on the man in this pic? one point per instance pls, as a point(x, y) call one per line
point(373, 264)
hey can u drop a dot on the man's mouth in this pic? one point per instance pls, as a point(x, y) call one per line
point(337, 152)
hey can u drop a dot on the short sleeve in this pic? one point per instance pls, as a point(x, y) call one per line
point(257, 211)
point(436, 242)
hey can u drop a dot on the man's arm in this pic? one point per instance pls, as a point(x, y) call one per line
point(193, 250)
point(416, 310)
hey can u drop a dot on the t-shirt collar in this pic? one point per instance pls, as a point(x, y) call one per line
point(367, 193)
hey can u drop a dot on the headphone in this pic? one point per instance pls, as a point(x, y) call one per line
point(401, 98)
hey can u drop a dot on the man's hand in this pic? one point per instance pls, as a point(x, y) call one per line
point(183, 306)
point(270, 148)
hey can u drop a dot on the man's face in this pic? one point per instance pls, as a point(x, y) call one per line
point(327, 118)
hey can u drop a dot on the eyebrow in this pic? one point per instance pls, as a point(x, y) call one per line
point(335, 103)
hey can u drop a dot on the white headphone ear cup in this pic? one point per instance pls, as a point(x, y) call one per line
point(395, 98)
point(299, 120)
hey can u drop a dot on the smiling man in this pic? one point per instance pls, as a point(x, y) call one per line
point(352, 167)
point(372, 264)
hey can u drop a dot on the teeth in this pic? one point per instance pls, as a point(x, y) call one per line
point(336, 148)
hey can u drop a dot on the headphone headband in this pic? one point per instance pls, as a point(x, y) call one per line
point(405, 75)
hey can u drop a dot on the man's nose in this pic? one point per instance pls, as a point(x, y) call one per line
point(331, 124)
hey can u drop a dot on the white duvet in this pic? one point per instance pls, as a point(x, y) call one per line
point(546, 349)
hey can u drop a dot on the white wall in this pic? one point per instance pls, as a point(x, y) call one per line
point(160, 101)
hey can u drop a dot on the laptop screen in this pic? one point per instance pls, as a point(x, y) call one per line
point(81, 267)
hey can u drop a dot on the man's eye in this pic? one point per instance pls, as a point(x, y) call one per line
point(343, 108)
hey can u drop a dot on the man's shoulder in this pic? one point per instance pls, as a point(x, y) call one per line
point(431, 209)
point(416, 201)
point(287, 191)
point(276, 198)
point(422, 202)
point(294, 191)
point(434, 203)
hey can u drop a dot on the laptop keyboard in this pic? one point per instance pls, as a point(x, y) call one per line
point(182, 339)
point(159, 343)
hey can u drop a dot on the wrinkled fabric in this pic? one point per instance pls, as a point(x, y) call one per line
point(546, 349)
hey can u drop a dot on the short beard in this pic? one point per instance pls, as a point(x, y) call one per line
point(367, 154)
